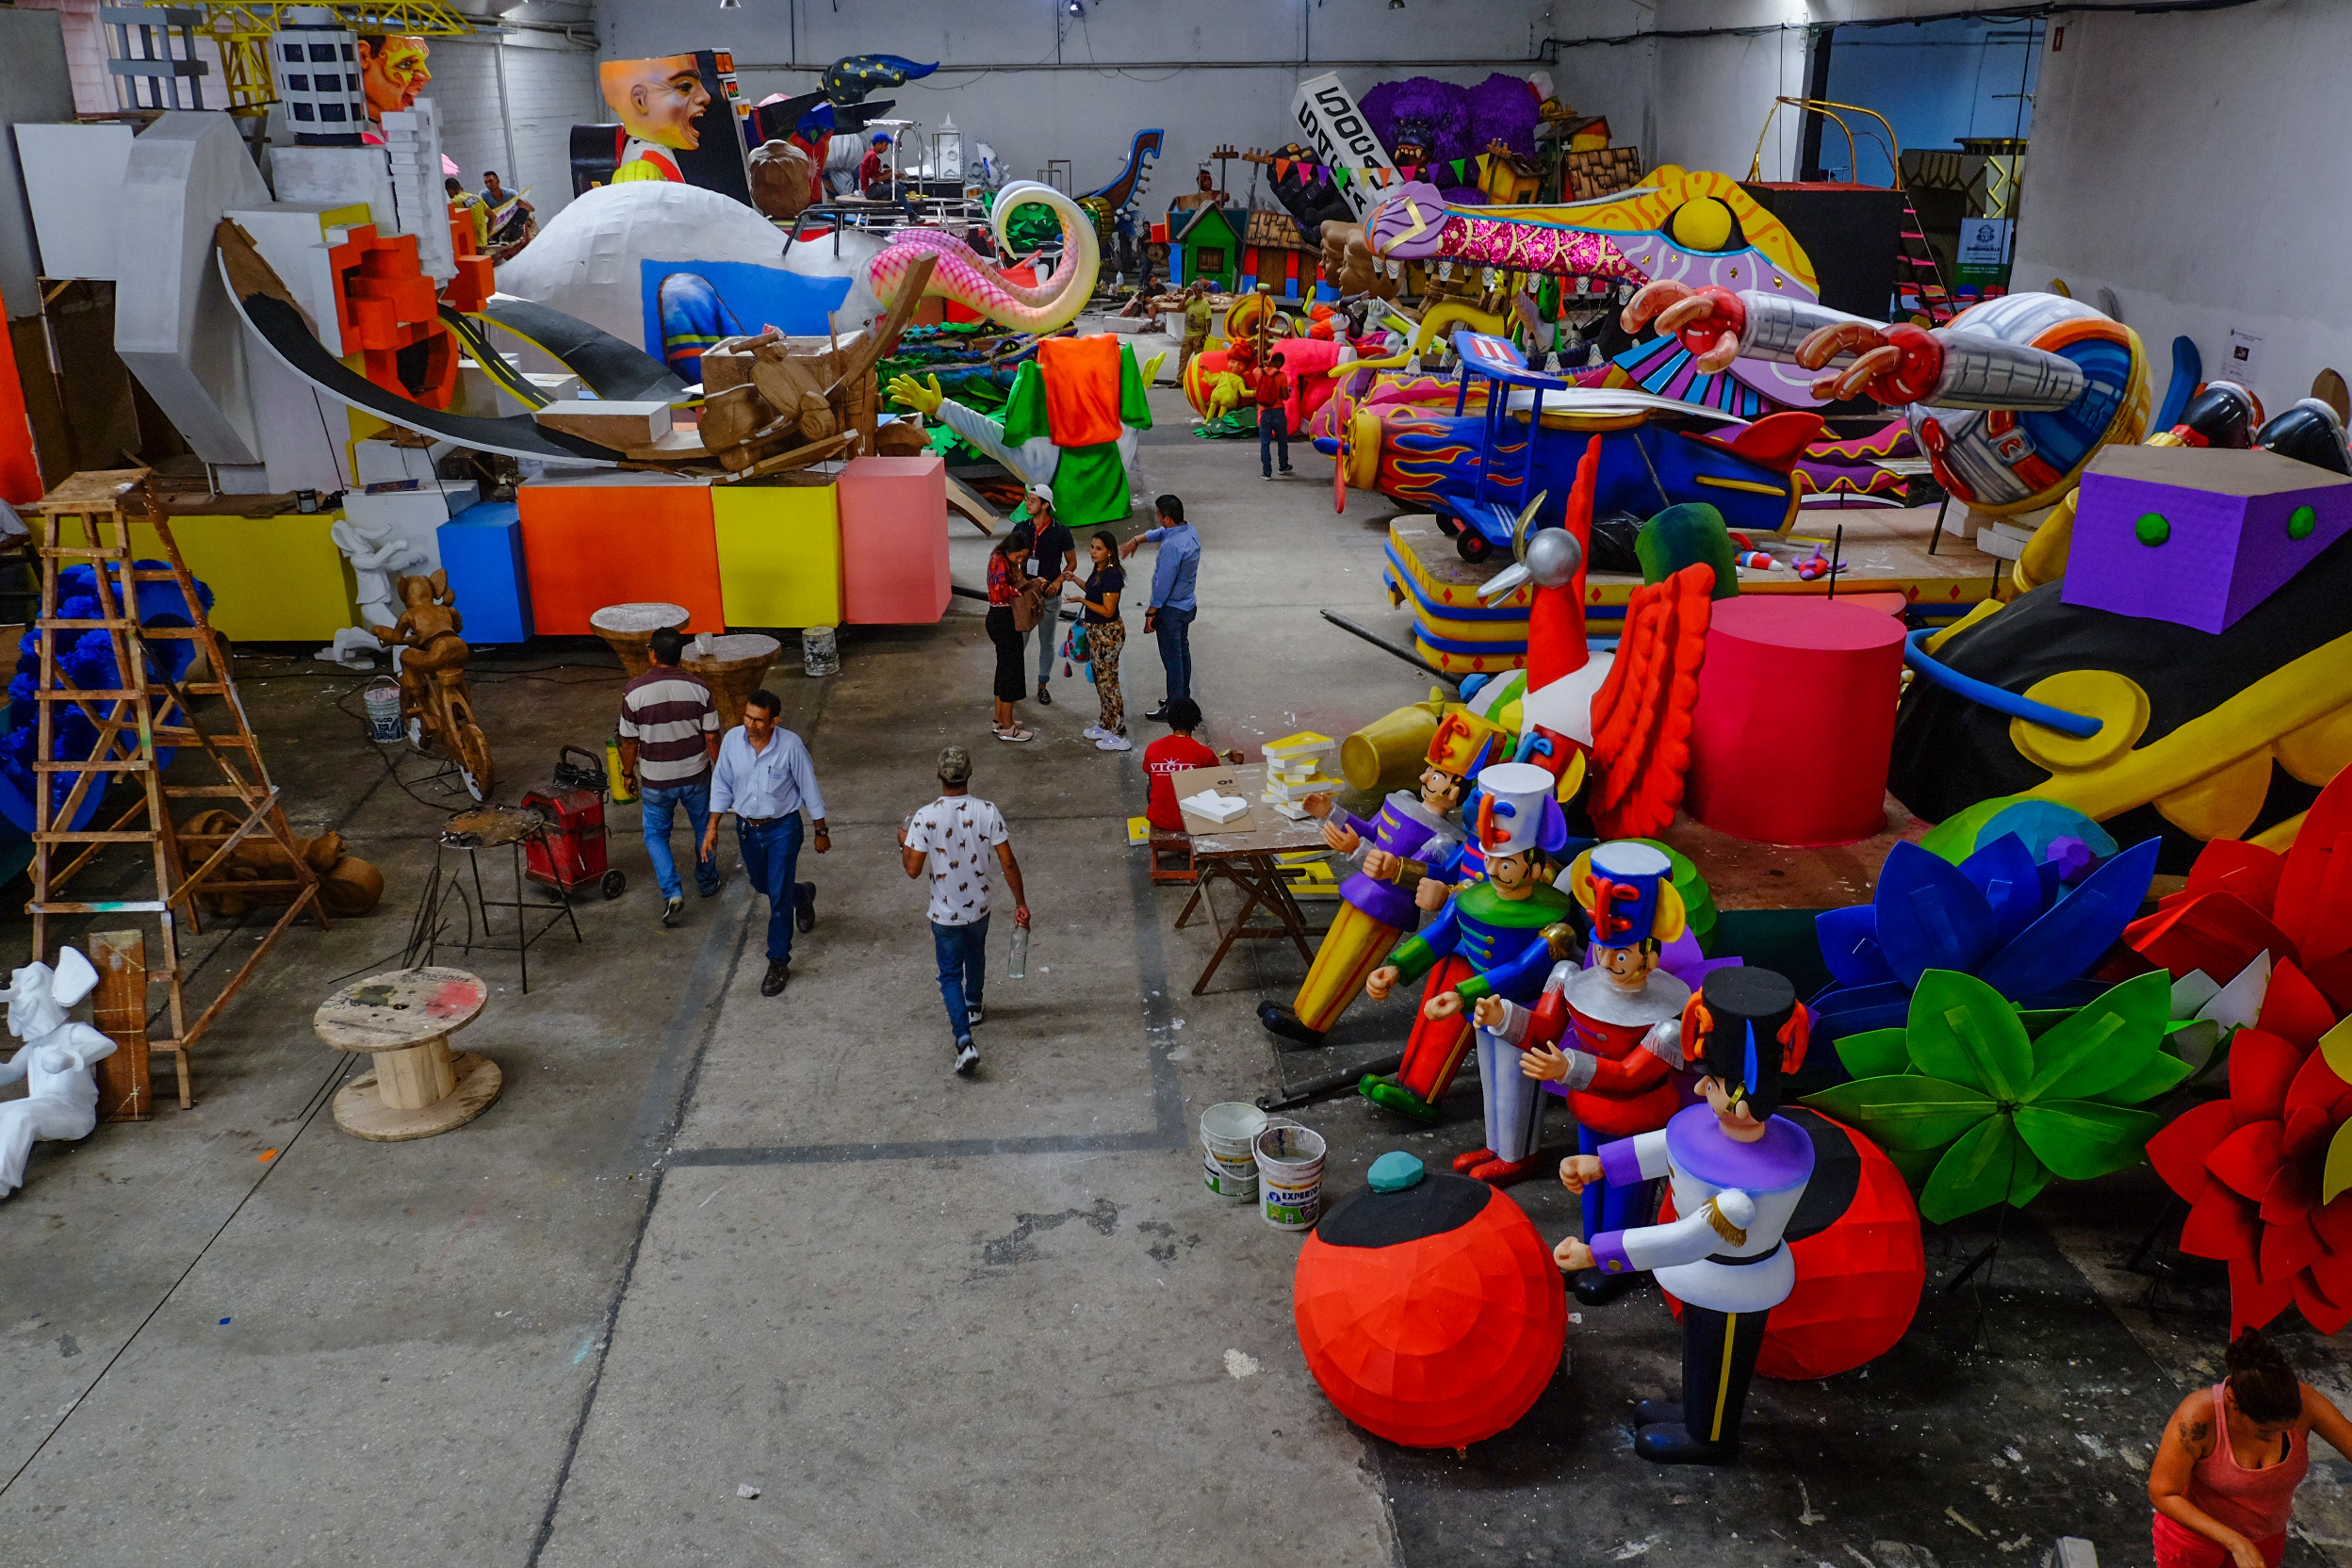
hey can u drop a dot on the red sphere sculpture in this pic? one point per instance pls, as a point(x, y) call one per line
point(1432, 1316)
point(1861, 1263)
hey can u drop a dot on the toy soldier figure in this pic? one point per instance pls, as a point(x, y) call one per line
point(1737, 1172)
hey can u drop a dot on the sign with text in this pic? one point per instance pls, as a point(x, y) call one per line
point(1331, 124)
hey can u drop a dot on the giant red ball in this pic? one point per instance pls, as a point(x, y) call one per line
point(1433, 1317)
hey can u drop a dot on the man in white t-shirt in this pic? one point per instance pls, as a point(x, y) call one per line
point(950, 839)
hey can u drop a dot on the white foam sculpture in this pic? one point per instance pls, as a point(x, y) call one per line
point(54, 1062)
point(587, 260)
point(379, 557)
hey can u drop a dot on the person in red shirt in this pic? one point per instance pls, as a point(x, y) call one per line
point(873, 179)
point(1272, 390)
point(1170, 755)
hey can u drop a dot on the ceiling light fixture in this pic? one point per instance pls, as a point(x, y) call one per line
point(730, 4)
point(1077, 8)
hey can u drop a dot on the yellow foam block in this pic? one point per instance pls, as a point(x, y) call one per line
point(779, 553)
point(1138, 830)
point(274, 579)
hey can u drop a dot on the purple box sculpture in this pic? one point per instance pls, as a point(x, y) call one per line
point(2198, 535)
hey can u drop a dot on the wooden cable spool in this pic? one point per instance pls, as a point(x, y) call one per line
point(628, 627)
point(733, 669)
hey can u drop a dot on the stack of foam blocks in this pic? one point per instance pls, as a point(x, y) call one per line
point(1294, 771)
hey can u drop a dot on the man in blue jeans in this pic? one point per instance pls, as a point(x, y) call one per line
point(765, 777)
point(669, 734)
point(951, 839)
point(1172, 605)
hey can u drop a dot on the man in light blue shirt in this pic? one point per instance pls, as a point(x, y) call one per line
point(1172, 607)
point(765, 776)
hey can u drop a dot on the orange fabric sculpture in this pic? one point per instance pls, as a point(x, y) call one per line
point(1432, 1316)
point(1081, 385)
point(1641, 714)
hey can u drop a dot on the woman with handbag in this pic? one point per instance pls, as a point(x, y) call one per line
point(1105, 635)
point(1013, 603)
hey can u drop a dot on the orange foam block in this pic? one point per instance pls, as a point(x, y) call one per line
point(590, 540)
point(893, 541)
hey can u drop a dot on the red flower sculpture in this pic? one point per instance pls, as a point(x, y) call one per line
point(2243, 900)
point(2261, 1169)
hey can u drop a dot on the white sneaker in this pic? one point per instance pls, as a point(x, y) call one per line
point(1092, 732)
point(967, 1059)
point(1114, 743)
point(972, 1015)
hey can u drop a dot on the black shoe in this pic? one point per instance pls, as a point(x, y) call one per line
point(671, 910)
point(1653, 1412)
point(779, 976)
point(1596, 1289)
point(1668, 1444)
point(804, 907)
point(1045, 698)
point(966, 1059)
point(1280, 1020)
point(1287, 472)
point(1159, 714)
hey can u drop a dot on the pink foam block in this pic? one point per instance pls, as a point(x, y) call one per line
point(1796, 719)
point(895, 541)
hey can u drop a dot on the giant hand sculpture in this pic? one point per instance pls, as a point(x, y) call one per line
point(54, 1062)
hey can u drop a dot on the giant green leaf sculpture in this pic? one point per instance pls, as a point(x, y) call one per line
point(1971, 1104)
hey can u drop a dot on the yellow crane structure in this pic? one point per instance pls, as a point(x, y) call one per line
point(242, 28)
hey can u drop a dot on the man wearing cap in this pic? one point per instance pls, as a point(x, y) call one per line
point(951, 839)
point(1622, 1068)
point(1497, 926)
point(1052, 551)
point(1391, 853)
point(1738, 1172)
point(873, 179)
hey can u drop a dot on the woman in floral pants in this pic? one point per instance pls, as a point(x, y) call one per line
point(1105, 635)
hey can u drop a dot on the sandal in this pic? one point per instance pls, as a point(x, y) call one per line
point(1016, 733)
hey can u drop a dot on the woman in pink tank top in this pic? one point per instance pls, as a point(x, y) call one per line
point(2224, 1479)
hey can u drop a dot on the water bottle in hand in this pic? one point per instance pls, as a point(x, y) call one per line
point(1019, 967)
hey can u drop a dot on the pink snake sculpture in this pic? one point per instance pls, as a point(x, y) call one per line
point(965, 276)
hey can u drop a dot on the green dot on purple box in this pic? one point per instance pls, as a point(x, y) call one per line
point(2152, 529)
point(2300, 522)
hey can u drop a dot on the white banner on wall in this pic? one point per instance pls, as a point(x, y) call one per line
point(1338, 137)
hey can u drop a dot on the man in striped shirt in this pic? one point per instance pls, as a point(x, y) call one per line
point(669, 734)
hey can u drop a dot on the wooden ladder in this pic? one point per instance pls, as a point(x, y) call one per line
point(136, 720)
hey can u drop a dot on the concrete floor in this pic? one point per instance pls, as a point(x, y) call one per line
point(707, 1239)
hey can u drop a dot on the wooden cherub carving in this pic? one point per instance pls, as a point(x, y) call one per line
point(427, 648)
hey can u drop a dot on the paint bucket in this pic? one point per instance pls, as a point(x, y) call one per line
point(1290, 1177)
point(1229, 1133)
point(820, 654)
point(382, 697)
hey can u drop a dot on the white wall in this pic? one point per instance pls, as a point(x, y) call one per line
point(2194, 165)
point(551, 87)
point(1081, 92)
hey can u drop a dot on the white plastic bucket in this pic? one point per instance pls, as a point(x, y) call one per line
point(383, 700)
point(820, 652)
point(1290, 1177)
point(1228, 1182)
point(1229, 1131)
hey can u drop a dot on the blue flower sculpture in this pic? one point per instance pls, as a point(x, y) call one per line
point(2000, 915)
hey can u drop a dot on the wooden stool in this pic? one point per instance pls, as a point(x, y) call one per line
point(405, 1019)
point(1179, 846)
point(733, 669)
point(629, 627)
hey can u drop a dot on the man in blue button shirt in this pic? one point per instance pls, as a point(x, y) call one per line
point(1172, 606)
point(765, 777)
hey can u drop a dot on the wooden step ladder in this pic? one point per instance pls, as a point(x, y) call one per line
point(144, 714)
